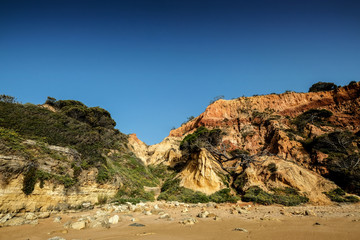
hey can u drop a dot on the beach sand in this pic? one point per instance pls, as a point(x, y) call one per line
point(259, 222)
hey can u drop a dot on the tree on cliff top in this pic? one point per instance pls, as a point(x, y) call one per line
point(322, 86)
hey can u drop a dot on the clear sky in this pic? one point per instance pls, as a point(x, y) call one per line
point(154, 63)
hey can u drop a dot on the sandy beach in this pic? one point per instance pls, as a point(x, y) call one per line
point(225, 222)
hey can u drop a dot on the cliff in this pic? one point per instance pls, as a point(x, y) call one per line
point(288, 128)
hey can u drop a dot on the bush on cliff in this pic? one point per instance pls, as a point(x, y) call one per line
point(322, 86)
point(343, 162)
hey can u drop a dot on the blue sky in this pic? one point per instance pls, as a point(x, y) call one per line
point(152, 64)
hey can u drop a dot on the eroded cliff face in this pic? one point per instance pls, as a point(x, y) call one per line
point(202, 173)
point(52, 192)
point(167, 152)
point(52, 196)
point(265, 124)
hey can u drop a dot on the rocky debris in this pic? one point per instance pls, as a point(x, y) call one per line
point(17, 221)
point(316, 224)
point(240, 230)
point(188, 221)
point(211, 215)
point(43, 215)
point(30, 216)
point(57, 219)
point(114, 219)
point(78, 225)
point(56, 238)
point(6, 217)
point(10, 219)
point(87, 205)
point(165, 216)
point(203, 214)
point(185, 210)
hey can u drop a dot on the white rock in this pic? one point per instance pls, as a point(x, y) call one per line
point(30, 216)
point(114, 219)
point(56, 238)
point(78, 225)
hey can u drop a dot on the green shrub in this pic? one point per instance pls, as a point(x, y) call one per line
point(286, 196)
point(312, 116)
point(29, 179)
point(322, 86)
point(339, 195)
point(200, 138)
point(223, 195)
point(171, 191)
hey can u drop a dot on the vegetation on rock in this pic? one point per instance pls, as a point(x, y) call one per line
point(322, 86)
point(285, 196)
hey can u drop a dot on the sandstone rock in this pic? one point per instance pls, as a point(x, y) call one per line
point(203, 214)
point(189, 221)
point(57, 219)
point(164, 216)
point(202, 173)
point(6, 217)
point(16, 221)
point(30, 216)
point(114, 219)
point(211, 215)
point(43, 215)
point(78, 225)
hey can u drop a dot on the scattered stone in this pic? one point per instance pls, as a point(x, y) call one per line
point(211, 215)
point(189, 221)
point(134, 220)
point(56, 238)
point(137, 225)
point(240, 230)
point(30, 216)
point(105, 223)
point(114, 219)
point(67, 224)
point(57, 219)
point(217, 218)
point(164, 216)
point(203, 214)
point(78, 225)
point(43, 215)
point(147, 213)
point(317, 223)
point(185, 210)
point(86, 205)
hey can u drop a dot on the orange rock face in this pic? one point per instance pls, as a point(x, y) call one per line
point(343, 102)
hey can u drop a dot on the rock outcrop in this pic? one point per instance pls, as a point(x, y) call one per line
point(202, 173)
